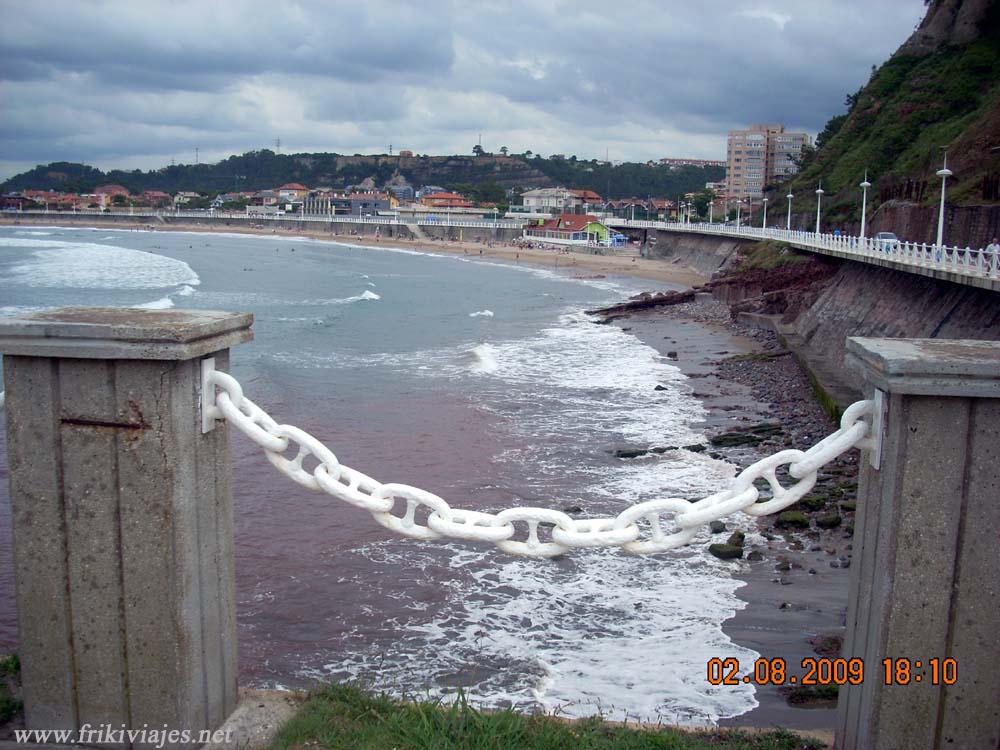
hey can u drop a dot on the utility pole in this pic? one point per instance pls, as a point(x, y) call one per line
point(196, 155)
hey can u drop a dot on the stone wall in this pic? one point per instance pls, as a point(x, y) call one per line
point(863, 300)
point(336, 230)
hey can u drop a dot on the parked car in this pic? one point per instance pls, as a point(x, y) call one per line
point(886, 241)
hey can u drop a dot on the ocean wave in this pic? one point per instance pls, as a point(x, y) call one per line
point(185, 291)
point(89, 265)
point(365, 296)
point(602, 633)
point(164, 303)
point(483, 359)
point(33, 232)
point(481, 314)
point(9, 311)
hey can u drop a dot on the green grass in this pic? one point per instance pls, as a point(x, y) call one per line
point(10, 668)
point(768, 255)
point(346, 717)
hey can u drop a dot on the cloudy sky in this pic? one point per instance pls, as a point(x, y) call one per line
point(136, 84)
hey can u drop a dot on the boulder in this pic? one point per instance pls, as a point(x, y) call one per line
point(726, 551)
point(828, 520)
point(791, 519)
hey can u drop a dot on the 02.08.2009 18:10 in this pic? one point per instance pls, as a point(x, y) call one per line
point(836, 671)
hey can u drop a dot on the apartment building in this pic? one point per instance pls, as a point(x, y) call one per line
point(760, 155)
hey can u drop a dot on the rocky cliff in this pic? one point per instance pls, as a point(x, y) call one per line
point(939, 91)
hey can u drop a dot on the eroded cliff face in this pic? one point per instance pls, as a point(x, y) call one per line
point(703, 253)
point(947, 22)
point(818, 302)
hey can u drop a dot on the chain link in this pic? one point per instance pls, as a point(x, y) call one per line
point(562, 533)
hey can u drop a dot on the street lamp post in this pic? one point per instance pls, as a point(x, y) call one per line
point(711, 205)
point(944, 173)
point(739, 205)
point(764, 224)
point(819, 202)
point(788, 221)
point(864, 201)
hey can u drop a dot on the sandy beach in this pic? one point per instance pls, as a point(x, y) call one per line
point(582, 263)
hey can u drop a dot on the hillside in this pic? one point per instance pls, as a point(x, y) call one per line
point(257, 170)
point(940, 89)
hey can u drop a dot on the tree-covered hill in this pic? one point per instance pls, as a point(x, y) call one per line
point(940, 90)
point(256, 170)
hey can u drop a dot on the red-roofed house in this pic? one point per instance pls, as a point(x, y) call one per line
point(586, 196)
point(156, 198)
point(569, 229)
point(446, 200)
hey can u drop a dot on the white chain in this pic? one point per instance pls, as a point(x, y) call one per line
point(443, 521)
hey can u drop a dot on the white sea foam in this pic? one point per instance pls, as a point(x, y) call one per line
point(482, 314)
point(33, 233)
point(164, 303)
point(603, 632)
point(88, 265)
point(365, 296)
point(185, 291)
point(483, 358)
point(14, 310)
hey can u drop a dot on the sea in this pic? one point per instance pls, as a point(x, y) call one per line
point(482, 381)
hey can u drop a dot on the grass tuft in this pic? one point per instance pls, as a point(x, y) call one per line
point(338, 717)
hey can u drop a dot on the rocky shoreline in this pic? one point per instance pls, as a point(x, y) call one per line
point(759, 402)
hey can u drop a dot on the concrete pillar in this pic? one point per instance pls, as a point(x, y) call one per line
point(926, 580)
point(122, 518)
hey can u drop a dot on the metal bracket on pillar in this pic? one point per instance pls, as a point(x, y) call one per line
point(210, 413)
point(878, 428)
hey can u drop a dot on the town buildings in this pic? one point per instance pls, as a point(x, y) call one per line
point(554, 201)
point(445, 199)
point(760, 155)
point(674, 162)
point(569, 229)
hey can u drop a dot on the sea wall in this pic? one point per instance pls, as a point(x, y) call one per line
point(864, 300)
point(333, 229)
point(703, 253)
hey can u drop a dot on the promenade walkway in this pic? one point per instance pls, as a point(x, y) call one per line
point(963, 266)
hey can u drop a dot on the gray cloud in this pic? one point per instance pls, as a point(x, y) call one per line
point(120, 83)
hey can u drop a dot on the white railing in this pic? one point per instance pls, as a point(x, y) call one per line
point(963, 261)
